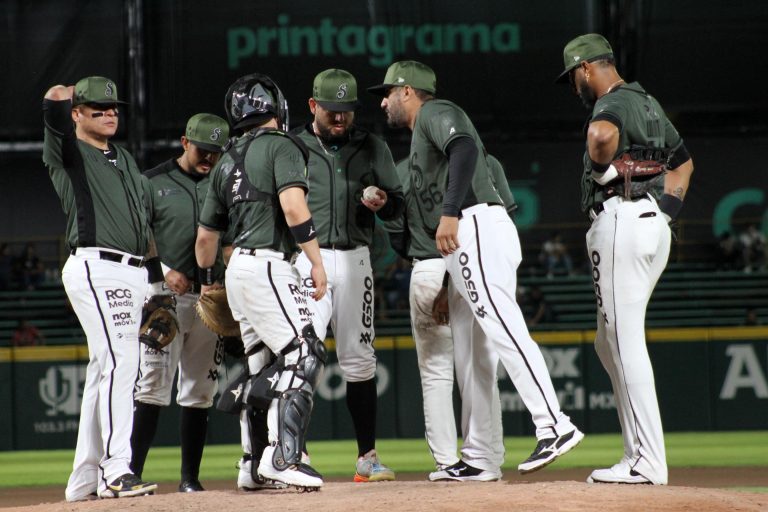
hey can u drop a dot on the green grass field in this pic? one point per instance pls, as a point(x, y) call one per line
point(336, 458)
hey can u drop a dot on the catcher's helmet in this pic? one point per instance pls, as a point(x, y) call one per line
point(253, 100)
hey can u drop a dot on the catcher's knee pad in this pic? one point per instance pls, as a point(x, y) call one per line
point(265, 372)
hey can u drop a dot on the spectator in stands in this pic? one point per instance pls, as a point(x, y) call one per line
point(754, 250)
point(6, 267)
point(536, 309)
point(728, 252)
point(32, 268)
point(27, 335)
point(397, 283)
point(554, 256)
point(751, 318)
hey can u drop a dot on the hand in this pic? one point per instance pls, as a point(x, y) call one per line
point(177, 282)
point(319, 280)
point(440, 307)
point(447, 237)
point(376, 204)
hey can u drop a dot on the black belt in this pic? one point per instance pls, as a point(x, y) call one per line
point(598, 208)
point(117, 258)
point(340, 247)
point(252, 252)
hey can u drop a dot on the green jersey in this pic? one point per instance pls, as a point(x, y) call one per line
point(419, 244)
point(438, 123)
point(641, 122)
point(100, 191)
point(174, 200)
point(337, 176)
point(244, 189)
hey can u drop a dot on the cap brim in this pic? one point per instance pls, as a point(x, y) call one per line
point(563, 77)
point(213, 148)
point(111, 102)
point(380, 90)
point(334, 106)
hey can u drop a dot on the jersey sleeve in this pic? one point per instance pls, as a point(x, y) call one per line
point(610, 108)
point(59, 139)
point(148, 199)
point(444, 122)
point(214, 212)
point(289, 166)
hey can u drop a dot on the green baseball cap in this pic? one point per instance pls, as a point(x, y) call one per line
point(208, 132)
point(587, 47)
point(96, 89)
point(335, 90)
point(407, 72)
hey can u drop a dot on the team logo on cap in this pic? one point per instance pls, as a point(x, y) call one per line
point(342, 91)
point(400, 79)
point(109, 90)
point(215, 134)
point(576, 58)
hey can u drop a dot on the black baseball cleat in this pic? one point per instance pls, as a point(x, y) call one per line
point(126, 486)
point(463, 472)
point(191, 485)
point(549, 449)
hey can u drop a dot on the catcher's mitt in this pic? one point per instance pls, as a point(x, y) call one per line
point(213, 309)
point(159, 324)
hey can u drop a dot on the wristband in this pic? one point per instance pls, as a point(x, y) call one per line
point(446, 279)
point(205, 275)
point(670, 205)
point(154, 270)
point(598, 167)
point(304, 232)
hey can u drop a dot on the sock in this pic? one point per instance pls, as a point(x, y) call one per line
point(361, 402)
point(145, 418)
point(193, 429)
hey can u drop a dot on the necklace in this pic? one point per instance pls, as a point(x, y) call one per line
point(319, 140)
point(614, 84)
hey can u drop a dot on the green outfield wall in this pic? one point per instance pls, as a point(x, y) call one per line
point(706, 379)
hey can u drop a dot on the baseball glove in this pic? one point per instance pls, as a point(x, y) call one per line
point(159, 324)
point(631, 170)
point(213, 309)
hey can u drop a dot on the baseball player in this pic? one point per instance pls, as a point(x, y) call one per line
point(343, 161)
point(175, 191)
point(434, 344)
point(628, 242)
point(100, 189)
point(259, 186)
point(460, 206)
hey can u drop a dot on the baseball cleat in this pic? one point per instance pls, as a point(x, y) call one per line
point(246, 482)
point(619, 473)
point(370, 469)
point(191, 485)
point(301, 476)
point(463, 472)
point(126, 486)
point(549, 449)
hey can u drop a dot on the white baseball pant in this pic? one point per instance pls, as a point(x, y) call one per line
point(628, 246)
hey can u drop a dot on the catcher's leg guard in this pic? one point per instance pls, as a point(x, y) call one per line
point(257, 431)
point(304, 360)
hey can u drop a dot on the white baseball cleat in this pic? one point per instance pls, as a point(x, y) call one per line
point(463, 472)
point(246, 482)
point(299, 475)
point(619, 473)
point(549, 449)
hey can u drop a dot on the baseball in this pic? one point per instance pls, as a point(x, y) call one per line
point(369, 194)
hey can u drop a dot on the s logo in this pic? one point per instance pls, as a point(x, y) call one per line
point(216, 134)
point(110, 89)
point(342, 92)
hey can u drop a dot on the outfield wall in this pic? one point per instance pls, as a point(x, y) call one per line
point(707, 379)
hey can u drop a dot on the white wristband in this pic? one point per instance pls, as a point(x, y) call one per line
point(606, 177)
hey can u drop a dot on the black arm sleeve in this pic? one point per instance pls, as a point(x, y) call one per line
point(394, 207)
point(462, 155)
point(58, 117)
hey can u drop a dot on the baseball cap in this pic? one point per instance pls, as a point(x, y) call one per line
point(587, 47)
point(96, 89)
point(407, 72)
point(208, 132)
point(335, 90)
